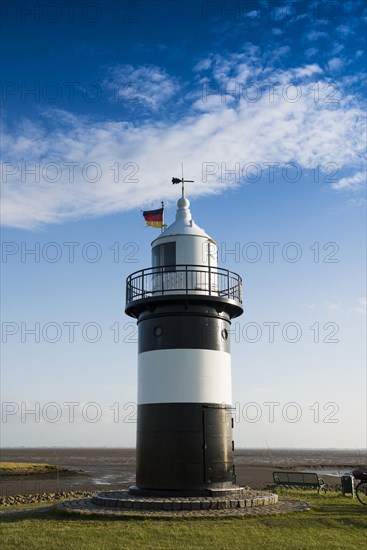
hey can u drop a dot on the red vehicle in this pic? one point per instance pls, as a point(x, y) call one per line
point(361, 488)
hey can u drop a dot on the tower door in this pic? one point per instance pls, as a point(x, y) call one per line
point(217, 444)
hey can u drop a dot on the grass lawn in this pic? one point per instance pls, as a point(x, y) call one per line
point(27, 468)
point(335, 522)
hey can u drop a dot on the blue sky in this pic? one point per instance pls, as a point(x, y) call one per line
point(264, 103)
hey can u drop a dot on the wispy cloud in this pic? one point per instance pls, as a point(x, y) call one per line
point(361, 306)
point(337, 48)
point(276, 31)
point(335, 64)
point(101, 167)
point(253, 14)
point(344, 30)
point(147, 85)
point(307, 71)
point(311, 52)
point(358, 306)
point(351, 182)
point(333, 306)
point(356, 203)
point(315, 35)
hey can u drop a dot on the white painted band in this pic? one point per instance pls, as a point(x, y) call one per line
point(184, 376)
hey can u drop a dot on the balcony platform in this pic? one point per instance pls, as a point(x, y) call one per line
point(189, 283)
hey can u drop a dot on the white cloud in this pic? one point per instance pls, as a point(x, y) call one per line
point(230, 129)
point(302, 17)
point(351, 182)
point(149, 85)
point(254, 14)
point(361, 306)
point(358, 307)
point(337, 48)
point(278, 53)
point(356, 203)
point(203, 65)
point(344, 30)
point(334, 307)
point(319, 21)
point(335, 64)
point(307, 70)
point(310, 306)
point(311, 52)
point(315, 35)
point(284, 13)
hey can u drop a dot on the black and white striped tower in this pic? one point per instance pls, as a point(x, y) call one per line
point(184, 305)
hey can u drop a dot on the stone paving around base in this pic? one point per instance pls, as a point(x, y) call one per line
point(129, 501)
point(123, 504)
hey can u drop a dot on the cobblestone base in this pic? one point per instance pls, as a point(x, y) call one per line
point(127, 501)
point(123, 504)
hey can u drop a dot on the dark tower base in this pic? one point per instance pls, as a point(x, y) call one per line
point(185, 448)
point(232, 491)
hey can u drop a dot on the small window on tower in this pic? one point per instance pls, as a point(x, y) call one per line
point(165, 255)
point(156, 256)
point(169, 253)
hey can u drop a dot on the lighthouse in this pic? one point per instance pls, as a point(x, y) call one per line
point(184, 304)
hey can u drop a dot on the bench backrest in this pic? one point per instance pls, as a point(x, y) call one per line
point(296, 477)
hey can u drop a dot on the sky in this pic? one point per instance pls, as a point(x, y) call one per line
point(264, 104)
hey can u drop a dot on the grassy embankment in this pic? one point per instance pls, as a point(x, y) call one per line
point(35, 500)
point(334, 523)
point(28, 468)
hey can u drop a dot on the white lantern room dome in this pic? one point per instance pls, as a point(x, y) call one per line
point(183, 224)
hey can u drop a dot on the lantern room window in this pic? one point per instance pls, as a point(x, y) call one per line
point(165, 255)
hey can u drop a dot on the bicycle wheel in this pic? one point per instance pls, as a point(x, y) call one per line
point(361, 492)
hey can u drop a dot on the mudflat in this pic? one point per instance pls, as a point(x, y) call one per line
point(114, 468)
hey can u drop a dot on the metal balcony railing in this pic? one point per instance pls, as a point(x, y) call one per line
point(183, 279)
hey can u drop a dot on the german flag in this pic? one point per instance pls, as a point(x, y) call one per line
point(154, 217)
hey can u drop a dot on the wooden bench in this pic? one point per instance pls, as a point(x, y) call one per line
point(301, 479)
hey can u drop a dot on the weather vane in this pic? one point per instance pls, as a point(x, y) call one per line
point(182, 181)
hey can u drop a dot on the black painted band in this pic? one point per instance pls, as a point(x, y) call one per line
point(183, 331)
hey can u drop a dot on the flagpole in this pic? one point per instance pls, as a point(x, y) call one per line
point(162, 228)
point(183, 181)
